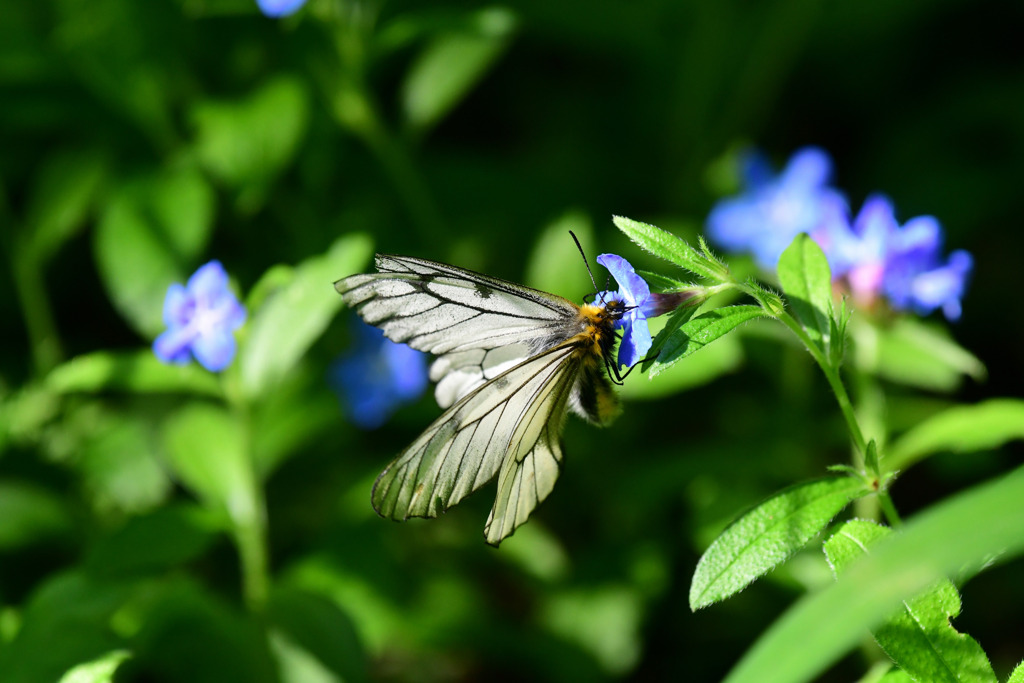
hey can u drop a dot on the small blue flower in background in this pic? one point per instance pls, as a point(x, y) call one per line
point(201, 318)
point(279, 8)
point(377, 376)
point(877, 257)
point(774, 209)
point(634, 292)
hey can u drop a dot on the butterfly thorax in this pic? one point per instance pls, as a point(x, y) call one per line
point(592, 397)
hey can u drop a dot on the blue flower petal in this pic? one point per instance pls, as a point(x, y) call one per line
point(173, 345)
point(279, 8)
point(208, 282)
point(632, 287)
point(636, 342)
point(214, 351)
point(178, 306)
point(808, 167)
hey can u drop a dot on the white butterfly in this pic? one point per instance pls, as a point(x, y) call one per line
point(511, 361)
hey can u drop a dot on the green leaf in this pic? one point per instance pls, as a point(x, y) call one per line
point(451, 65)
point(698, 332)
point(665, 245)
point(767, 535)
point(138, 372)
point(149, 235)
point(294, 316)
point(206, 450)
point(322, 630)
point(29, 514)
point(149, 544)
point(61, 199)
point(549, 267)
point(963, 429)
point(807, 281)
point(99, 670)
point(1018, 674)
point(724, 356)
point(966, 530)
point(918, 637)
point(916, 353)
point(250, 140)
point(119, 463)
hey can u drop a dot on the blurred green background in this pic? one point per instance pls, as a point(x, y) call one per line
point(141, 139)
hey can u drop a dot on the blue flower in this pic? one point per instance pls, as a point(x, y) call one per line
point(279, 8)
point(776, 208)
point(377, 376)
point(201, 318)
point(640, 305)
point(876, 257)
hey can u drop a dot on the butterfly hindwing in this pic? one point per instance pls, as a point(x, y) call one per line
point(510, 424)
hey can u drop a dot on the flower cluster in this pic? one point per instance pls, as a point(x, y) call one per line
point(377, 376)
point(871, 255)
point(201, 318)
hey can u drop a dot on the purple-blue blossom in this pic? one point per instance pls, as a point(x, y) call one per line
point(279, 8)
point(774, 209)
point(877, 257)
point(201, 317)
point(635, 293)
point(377, 376)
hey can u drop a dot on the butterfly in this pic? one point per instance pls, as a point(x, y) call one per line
point(510, 363)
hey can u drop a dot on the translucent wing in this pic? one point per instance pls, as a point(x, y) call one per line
point(512, 423)
point(439, 308)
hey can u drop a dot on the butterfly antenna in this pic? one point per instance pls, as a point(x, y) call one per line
point(585, 262)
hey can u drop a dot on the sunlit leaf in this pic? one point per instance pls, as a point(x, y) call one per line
point(821, 627)
point(98, 670)
point(1018, 674)
point(138, 372)
point(151, 234)
point(805, 277)
point(206, 449)
point(918, 637)
point(669, 247)
point(722, 357)
point(767, 535)
point(963, 429)
point(295, 315)
point(250, 140)
point(698, 332)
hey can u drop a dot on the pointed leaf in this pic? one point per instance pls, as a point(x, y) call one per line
point(698, 332)
point(206, 449)
point(1018, 674)
point(807, 281)
point(963, 429)
point(823, 626)
point(918, 637)
point(767, 535)
point(665, 245)
point(451, 65)
point(99, 670)
point(62, 198)
point(294, 316)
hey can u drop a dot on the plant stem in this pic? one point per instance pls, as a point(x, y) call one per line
point(834, 381)
point(250, 534)
point(889, 510)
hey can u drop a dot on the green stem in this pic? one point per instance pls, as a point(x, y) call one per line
point(889, 510)
point(39, 321)
point(251, 530)
point(834, 381)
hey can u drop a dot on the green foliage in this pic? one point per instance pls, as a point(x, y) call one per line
point(767, 535)
point(165, 523)
point(807, 637)
point(806, 280)
point(919, 637)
